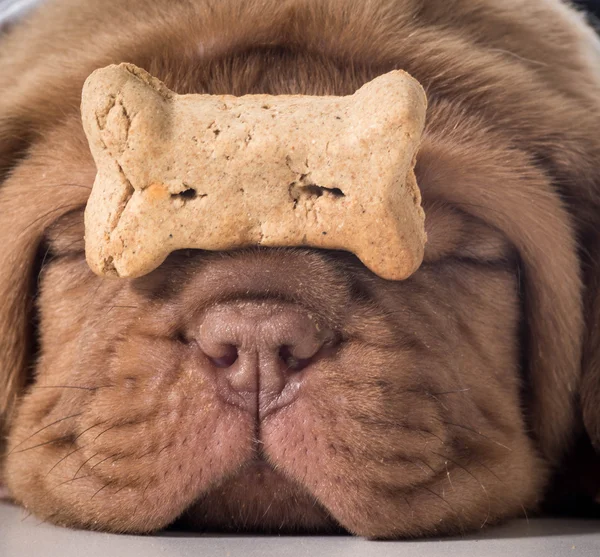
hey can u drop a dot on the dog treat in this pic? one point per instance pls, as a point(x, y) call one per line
point(223, 172)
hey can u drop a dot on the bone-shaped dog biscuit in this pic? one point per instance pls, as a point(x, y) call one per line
point(223, 172)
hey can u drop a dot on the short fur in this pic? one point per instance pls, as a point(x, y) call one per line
point(454, 396)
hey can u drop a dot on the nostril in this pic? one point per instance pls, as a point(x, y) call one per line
point(292, 362)
point(182, 338)
point(229, 357)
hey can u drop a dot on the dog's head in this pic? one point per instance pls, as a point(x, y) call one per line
point(285, 389)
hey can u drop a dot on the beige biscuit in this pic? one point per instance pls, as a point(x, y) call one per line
point(223, 172)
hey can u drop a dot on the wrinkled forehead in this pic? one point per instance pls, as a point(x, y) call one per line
point(64, 155)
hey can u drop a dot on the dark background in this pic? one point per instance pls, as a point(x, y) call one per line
point(592, 6)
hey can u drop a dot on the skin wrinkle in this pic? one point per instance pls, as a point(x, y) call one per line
point(415, 424)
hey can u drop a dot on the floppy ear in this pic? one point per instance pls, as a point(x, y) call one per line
point(53, 179)
point(14, 278)
point(42, 171)
point(501, 185)
point(29, 198)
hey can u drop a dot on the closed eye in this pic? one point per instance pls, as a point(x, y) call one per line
point(455, 235)
point(66, 236)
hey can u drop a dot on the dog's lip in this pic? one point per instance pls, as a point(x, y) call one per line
point(256, 472)
point(259, 485)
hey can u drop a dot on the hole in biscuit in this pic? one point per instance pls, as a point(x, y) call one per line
point(189, 193)
point(317, 191)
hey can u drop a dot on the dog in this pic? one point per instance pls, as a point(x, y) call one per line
point(463, 396)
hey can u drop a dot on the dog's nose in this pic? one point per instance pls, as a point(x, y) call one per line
point(260, 351)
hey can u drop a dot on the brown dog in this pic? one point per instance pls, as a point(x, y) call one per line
point(323, 396)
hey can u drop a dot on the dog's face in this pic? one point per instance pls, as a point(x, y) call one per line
point(292, 389)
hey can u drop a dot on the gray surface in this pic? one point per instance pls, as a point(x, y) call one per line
point(12, 10)
point(27, 537)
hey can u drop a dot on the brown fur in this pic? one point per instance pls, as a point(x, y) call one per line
point(454, 395)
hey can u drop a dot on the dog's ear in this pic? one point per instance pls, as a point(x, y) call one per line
point(18, 245)
point(51, 179)
point(14, 140)
point(504, 187)
point(40, 179)
point(17, 253)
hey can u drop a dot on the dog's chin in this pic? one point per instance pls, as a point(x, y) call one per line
point(258, 499)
